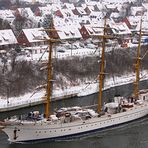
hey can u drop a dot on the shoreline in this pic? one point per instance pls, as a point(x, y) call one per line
point(75, 91)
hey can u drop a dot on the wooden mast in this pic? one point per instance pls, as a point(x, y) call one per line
point(49, 68)
point(49, 77)
point(101, 76)
point(137, 65)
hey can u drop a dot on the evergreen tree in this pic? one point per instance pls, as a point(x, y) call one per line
point(4, 24)
point(47, 21)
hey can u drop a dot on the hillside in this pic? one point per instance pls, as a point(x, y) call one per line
point(22, 77)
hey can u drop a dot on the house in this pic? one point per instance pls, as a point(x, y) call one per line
point(66, 21)
point(68, 6)
point(99, 6)
point(137, 11)
point(46, 10)
point(115, 16)
point(89, 9)
point(64, 13)
point(128, 23)
point(111, 7)
point(96, 15)
point(7, 15)
point(40, 11)
point(88, 31)
point(24, 12)
point(133, 20)
point(7, 39)
point(70, 32)
point(122, 31)
point(54, 7)
point(79, 11)
point(32, 37)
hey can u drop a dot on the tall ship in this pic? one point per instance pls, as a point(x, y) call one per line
point(77, 121)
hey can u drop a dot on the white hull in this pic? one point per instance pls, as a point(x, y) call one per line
point(41, 130)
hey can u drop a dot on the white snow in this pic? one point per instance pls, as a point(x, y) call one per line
point(59, 55)
point(81, 90)
point(35, 34)
point(7, 37)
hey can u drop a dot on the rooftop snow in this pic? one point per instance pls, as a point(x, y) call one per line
point(7, 37)
point(35, 34)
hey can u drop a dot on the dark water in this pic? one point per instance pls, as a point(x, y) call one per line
point(132, 135)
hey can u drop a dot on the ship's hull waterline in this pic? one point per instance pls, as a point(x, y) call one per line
point(31, 131)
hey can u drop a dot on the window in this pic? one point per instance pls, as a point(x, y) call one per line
point(66, 33)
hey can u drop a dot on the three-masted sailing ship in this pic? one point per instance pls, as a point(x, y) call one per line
point(75, 121)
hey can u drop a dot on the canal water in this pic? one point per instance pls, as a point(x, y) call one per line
point(132, 135)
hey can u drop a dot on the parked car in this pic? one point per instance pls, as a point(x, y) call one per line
point(91, 46)
point(60, 50)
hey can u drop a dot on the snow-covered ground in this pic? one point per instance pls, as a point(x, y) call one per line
point(81, 90)
point(64, 51)
point(60, 55)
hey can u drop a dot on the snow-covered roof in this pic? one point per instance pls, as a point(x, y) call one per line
point(97, 14)
point(45, 10)
point(111, 6)
point(119, 28)
point(81, 11)
point(115, 15)
point(27, 12)
point(95, 29)
point(35, 34)
point(69, 6)
point(134, 10)
point(7, 37)
point(91, 3)
point(67, 13)
point(54, 7)
point(91, 8)
point(68, 32)
point(7, 14)
point(134, 20)
point(100, 6)
point(66, 21)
